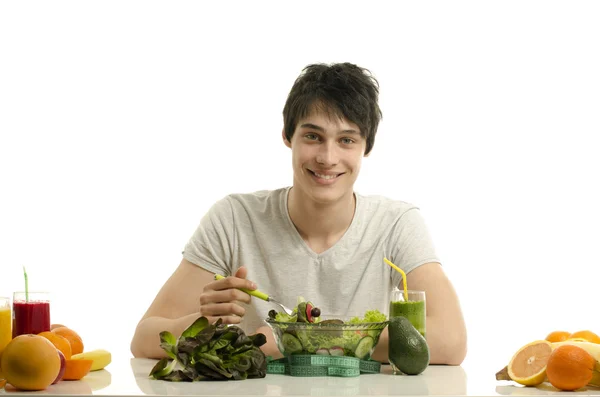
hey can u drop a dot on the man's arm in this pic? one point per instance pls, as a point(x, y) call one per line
point(445, 326)
point(189, 293)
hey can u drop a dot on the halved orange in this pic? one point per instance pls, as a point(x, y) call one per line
point(77, 369)
point(528, 364)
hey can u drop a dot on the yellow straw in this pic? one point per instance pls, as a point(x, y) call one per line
point(403, 277)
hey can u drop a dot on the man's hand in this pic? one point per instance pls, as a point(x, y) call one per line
point(189, 293)
point(221, 298)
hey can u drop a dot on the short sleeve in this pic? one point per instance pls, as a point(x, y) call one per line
point(211, 245)
point(410, 244)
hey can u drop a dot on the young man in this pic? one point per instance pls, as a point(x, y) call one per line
point(317, 239)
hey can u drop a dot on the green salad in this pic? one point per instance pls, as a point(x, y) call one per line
point(305, 332)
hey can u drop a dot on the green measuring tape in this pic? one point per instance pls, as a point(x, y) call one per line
point(319, 365)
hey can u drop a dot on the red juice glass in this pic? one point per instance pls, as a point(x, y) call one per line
point(31, 313)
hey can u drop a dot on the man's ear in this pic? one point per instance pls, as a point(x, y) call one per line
point(285, 140)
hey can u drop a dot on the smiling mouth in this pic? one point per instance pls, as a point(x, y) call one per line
point(326, 177)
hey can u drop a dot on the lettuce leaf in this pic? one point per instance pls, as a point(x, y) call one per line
point(211, 351)
point(371, 316)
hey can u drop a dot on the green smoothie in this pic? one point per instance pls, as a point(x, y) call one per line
point(414, 311)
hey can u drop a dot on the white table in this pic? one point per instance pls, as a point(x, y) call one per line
point(129, 377)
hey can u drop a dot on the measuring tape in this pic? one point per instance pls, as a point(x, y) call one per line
point(319, 365)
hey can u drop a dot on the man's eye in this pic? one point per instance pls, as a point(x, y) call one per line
point(347, 141)
point(311, 136)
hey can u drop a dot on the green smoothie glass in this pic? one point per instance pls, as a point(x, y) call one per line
point(413, 308)
point(411, 305)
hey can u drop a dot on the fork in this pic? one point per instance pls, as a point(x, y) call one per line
point(261, 295)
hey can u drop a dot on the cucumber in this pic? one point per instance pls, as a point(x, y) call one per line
point(291, 344)
point(364, 347)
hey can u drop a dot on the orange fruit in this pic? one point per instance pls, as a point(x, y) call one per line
point(570, 367)
point(73, 338)
point(77, 369)
point(56, 326)
point(30, 362)
point(558, 336)
point(60, 342)
point(587, 335)
point(528, 364)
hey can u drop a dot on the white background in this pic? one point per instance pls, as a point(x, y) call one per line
point(122, 122)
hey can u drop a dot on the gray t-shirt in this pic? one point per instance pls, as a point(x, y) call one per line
point(348, 279)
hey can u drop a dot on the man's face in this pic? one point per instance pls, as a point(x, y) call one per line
point(326, 156)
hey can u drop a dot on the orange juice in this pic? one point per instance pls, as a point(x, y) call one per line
point(5, 323)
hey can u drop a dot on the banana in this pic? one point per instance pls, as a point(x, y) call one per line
point(100, 357)
point(593, 349)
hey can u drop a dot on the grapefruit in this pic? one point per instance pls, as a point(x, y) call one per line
point(528, 364)
point(30, 362)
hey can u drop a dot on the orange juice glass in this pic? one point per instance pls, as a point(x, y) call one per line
point(5, 323)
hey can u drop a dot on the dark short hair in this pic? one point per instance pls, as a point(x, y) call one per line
point(340, 89)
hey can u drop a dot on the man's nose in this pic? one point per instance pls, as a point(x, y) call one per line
point(328, 154)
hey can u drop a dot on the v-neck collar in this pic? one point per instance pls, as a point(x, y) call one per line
point(296, 235)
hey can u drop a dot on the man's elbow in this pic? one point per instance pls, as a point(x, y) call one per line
point(136, 350)
point(457, 355)
point(137, 343)
point(455, 351)
point(448, 348)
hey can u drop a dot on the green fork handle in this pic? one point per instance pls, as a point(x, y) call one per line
point(256, 293)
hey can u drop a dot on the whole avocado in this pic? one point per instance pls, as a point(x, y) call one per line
point(408, 349)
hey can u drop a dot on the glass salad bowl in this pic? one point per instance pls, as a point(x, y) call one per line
point(331, 335)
